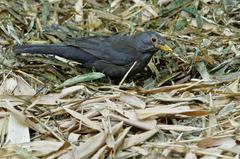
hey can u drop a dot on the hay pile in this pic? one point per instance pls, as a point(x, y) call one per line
point(185, 105)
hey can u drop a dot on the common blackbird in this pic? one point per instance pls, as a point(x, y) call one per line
point(112, 55)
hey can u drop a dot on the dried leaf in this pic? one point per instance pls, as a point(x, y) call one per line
point(17, 131)
point(226, 142)
point(84, 119)
point(178, 128)
point(139, 138)
point(132, 100)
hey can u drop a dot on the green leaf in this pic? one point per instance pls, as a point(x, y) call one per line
point(194, 12)
point(44, 11)
point(181, 24)
point(24, 154)
point(202, 69)
point(199, 21)
point(82, 78)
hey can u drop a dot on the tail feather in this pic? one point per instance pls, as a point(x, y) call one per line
point(40, 49)
point(68, 52)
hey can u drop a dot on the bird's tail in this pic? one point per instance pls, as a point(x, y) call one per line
point(53, 49)
point(69, 52)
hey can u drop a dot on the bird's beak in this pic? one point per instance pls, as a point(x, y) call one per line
point(164, 47)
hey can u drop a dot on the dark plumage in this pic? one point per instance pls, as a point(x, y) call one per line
point(112, 55)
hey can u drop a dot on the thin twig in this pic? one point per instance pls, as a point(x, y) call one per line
point(125, 76)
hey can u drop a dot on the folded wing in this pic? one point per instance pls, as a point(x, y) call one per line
point(116, 49)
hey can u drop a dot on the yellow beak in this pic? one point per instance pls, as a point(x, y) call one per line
point(164, 47)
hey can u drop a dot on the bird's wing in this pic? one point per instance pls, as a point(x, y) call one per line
point(115, 49)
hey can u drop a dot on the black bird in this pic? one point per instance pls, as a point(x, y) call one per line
point(112, 55)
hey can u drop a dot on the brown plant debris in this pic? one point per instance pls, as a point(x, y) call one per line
point(183, 105)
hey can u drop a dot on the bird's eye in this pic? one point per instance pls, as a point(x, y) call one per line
point(153, 40)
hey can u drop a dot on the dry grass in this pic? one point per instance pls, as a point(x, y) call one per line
point(186, 105)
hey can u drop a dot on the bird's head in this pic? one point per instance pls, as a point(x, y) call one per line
point(151, 42)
